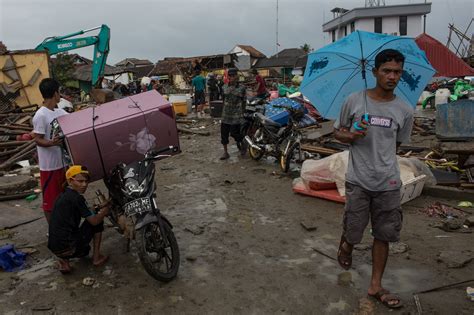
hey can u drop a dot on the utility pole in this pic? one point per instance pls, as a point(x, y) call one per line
point(424, 22)
point(277, 44)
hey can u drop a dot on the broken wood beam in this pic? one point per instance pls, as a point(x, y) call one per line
point(8, 144)
point(185, 121)
point(191, 131)
point(26, 151)
point(317, 149)
point(16, 127)
point(16, 196)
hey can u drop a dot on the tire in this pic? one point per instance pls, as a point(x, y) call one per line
point(153, 255)
point(285, 160)
point(254, 153)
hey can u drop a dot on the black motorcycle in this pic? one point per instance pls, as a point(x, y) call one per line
point(273, 139)
point(253, 105)
point(135, 214)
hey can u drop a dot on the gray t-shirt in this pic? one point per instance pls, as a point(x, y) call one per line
point(372, 160)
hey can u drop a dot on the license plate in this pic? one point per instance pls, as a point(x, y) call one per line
point(136, 206)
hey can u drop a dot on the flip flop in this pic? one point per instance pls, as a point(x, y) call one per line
point(388, 297)
point(344, 257)
point(101, 262)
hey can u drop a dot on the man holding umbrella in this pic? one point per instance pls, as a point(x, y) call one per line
point(374, 122)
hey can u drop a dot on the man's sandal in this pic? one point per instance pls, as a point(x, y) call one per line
point(385, 297)
point(344, 257)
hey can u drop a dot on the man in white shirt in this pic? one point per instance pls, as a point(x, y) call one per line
point(51, 164)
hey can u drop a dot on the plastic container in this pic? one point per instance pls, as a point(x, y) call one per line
point(180, 108)
point(441, 96)
point(216, 108)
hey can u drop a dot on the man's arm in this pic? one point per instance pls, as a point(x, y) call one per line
point(344, 135)
point(42, 142)
point(99, 217)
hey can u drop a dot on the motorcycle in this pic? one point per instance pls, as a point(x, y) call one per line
point(273, 139)
point(134, 212)
point(253, 105)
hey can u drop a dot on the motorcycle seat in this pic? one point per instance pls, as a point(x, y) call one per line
point(267, 121)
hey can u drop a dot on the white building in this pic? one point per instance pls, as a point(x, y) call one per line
point(401, 20)
point(248, 56)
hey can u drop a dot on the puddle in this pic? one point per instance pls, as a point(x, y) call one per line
point(41, 269)
point(296, 261)
point(212, 205)
point(401, 280)
point(201, 271)
point(263, 220)
point(339, 306)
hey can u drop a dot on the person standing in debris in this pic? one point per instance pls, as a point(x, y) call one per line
point(68, 238)
point(50, 158)
point(199, 86)
point(232, 113)
point(220, 87)
point(261, 87)
point(212, 87)
point(373, 175)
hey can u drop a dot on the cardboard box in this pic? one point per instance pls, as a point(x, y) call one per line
point(412, 189)
point(121, 131)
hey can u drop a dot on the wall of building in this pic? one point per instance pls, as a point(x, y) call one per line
point(245, 61)
point(239, 51)
point(414, 26)
point(390, 25)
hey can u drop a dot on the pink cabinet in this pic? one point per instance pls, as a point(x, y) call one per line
point(119, 132)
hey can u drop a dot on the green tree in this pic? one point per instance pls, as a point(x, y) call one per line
point(63, 68)
point(307, 48)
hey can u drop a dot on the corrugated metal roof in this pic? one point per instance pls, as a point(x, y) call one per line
point(446, 63)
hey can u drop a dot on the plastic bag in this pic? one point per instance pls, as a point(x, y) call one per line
point(11, 259)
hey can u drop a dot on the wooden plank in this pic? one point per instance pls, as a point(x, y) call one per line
point(12, 216)
point(458, 147)
point(317, 149)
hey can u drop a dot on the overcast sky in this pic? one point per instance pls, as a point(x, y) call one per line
point(154, 29)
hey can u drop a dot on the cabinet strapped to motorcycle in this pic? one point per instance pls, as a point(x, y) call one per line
point(120, 131)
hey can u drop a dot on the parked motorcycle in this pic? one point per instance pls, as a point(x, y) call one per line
point(134, 212)
point(253, 105)
point(273, 139)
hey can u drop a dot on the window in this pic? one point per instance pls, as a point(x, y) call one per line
point(345, 30)
point(378, 25)
point(353, 27)
point(403, 25)
point(333, 33)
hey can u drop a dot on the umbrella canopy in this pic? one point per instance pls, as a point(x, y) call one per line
point(343, 67)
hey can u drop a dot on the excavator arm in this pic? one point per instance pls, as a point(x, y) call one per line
point(101, 42)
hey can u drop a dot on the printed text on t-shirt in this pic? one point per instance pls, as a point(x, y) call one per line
point(380, 121)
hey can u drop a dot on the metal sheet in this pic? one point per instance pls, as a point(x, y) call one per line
point(454, 120)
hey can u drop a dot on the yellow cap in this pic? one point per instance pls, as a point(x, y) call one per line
point(76, 169)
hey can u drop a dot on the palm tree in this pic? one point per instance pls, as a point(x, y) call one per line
point(307, 48)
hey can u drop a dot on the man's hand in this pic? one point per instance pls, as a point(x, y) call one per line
point(56, 141)
point(346, 136)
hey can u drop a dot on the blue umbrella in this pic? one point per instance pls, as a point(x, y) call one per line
point(343, 67)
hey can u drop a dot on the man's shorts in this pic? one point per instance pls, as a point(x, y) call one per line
point(199, 98)
point(383, 208)
point(76, 248)
point(52, 185)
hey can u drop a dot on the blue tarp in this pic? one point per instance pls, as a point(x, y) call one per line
point(11, 259)
point(280, 115)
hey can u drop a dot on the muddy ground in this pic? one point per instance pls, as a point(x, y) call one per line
point(243, 250)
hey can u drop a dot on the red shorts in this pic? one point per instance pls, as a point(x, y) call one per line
point(52, 185)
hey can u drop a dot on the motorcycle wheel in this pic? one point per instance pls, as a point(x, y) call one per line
point(254, 153)
point(162, 263)
point(285, 160)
